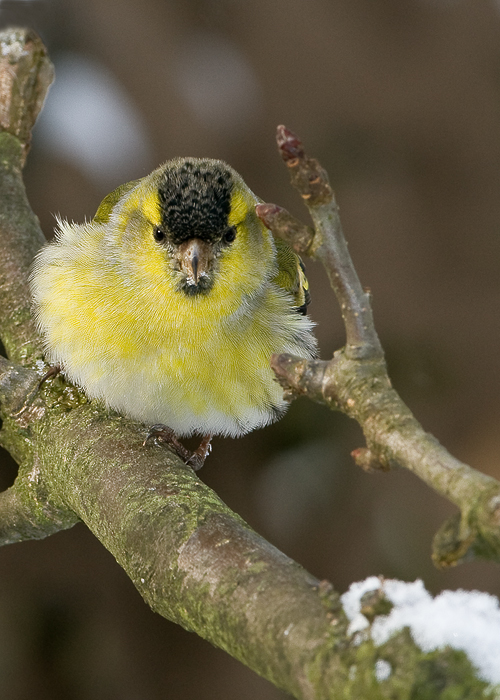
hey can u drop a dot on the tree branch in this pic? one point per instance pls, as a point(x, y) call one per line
point(25, 76)
point(356, 382)
point(325, 243)
point(192, 559)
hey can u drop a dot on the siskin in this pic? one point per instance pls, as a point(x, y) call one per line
point(168, 305)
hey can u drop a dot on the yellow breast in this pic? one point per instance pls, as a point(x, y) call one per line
point(199, 364)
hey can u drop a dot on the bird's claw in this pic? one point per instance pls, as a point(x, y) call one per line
point(194, 459)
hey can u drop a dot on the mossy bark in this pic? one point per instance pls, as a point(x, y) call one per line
point(191, 558)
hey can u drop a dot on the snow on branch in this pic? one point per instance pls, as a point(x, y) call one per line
point(468, 621)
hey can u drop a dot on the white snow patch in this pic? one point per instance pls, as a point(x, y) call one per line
point(465, 620)
point(352, 605)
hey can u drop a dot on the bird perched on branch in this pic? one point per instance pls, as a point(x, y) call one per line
point(168, 305)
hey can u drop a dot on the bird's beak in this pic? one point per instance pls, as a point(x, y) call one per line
point(195, 258)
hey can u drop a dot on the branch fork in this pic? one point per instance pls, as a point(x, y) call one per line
point(355, 380)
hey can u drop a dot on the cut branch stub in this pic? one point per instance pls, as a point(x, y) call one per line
point(285, 226)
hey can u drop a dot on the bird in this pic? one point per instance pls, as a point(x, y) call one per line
point(167, 306)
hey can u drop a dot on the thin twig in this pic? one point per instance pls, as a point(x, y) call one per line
point(327, 245)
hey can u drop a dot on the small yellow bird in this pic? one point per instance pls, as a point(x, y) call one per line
point(168, 305)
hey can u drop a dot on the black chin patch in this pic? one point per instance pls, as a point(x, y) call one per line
point(195, 197)
point(204, 285)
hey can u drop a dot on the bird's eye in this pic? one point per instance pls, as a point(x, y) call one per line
point(229, 235)
point(158, 234)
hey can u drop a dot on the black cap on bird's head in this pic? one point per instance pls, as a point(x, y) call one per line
point(195, 202)
point(195, 199)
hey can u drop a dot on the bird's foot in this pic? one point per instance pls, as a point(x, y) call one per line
point(198, 457)
point(195, 459)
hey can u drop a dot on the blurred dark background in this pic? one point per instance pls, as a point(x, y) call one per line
point(400, 99)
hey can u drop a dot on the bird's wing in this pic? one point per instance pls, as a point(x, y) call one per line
point(291, 275)
point(106, 206)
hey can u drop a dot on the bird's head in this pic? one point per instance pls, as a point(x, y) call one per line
point(192, 224)
point(189, 230)
point(196, 226)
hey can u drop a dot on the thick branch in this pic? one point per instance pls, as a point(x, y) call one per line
point(25, 76)
point(192, 559)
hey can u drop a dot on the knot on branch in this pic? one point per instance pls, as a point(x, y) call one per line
point(16, 384)
point(368, 461)
point(451, 546)
point(471, 534)
point(374, 603)
point(298, 376)
point(331, 602)
point(285, 226)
